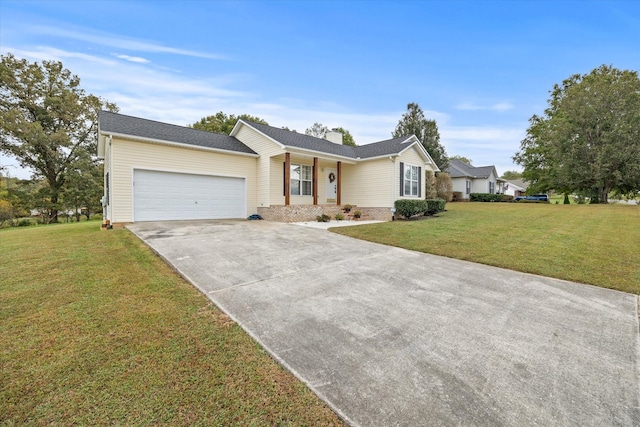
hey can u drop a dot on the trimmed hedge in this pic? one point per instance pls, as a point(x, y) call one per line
point(486, 197)
point(409, 208)
point(434, 206)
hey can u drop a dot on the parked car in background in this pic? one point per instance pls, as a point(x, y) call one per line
point(538, 198)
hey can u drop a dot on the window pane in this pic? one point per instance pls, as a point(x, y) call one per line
point(407, 172)
point(295, 172)
point(414, 188)
point(407, 188)
point(295, 187)
point(414, 173)
point(306, 172)
point(306, 188)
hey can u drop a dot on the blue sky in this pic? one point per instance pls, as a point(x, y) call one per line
point(480, 69)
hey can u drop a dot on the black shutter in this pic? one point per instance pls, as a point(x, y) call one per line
point(419, 181)
point(401, 179)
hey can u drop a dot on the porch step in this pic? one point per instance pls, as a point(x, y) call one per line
point(363, 217)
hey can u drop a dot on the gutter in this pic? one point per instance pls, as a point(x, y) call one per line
point(180, 144)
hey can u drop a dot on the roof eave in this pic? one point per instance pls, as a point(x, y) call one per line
point(241, 122)
point(321, 154)
point(423, 151)
point(176, 144)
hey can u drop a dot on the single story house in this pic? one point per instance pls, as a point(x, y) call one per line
point(515, 187)
point(157, 171)
point(468, 179)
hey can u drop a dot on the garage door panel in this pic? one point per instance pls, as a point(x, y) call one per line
point(176, 196)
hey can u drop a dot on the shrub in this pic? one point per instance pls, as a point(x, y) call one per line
point(339, 217)
point(323, 218)
point(444, 186)
point(25, 222)
point(434, 206)
point(430, 185)
point(409, 208)
point(486, 197)
point(347, 207)
point(357, 214)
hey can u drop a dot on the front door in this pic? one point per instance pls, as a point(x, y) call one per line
point(332, 185)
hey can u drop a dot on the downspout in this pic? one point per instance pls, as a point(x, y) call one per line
point(108, 211)
point(394, 187)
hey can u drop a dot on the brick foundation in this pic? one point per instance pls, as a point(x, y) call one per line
point(301, 213)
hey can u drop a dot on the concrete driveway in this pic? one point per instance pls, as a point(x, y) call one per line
point(392, 337)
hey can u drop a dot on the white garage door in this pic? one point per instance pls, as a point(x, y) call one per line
point(159, 196)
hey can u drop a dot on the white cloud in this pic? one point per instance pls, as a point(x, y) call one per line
point(115, 41)
point(470, 106)
point(46, 53)
point(136, 59)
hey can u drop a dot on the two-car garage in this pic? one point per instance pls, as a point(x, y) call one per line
point(160, 196)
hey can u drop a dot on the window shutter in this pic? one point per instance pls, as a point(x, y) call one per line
point(401, 179)
point(419, 181)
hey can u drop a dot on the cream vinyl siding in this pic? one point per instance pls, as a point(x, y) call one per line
point(413, 158)
point(267, 149)
point(276, 180)
point(129, 155)
point(368, 183)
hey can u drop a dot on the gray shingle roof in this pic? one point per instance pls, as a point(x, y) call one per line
point(134, 126)
point(519, 183)
point(458, 169)
point(294, 139)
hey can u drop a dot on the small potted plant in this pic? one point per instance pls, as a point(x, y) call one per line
point(357, 214)
point(347, 208)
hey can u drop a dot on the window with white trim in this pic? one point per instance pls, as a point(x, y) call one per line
point(492, 187)
point(411, 180)
point(301, 180)
point(468, 186)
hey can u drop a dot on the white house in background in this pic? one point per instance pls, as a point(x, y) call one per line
point(468, 179)
point(515, 187)
point(157, 171)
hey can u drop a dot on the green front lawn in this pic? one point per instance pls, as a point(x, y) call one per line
point(595, 244)
point(97, 330)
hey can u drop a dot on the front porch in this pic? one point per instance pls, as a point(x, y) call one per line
point(301, 213)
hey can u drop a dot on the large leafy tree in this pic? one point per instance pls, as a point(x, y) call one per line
point(320, 131)
point(461, 158)
point(347, 138)
point(46, 121)
point(414, 122)
point(588, 139)
point(84, 188)
point(511, 175)
point(223, 123)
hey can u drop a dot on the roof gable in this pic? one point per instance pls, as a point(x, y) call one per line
point(120, 124)
point(299, 140)
point(458, 169)
point(287, 138)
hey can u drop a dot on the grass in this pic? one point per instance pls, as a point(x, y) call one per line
point(98, 330)
point(594, 244)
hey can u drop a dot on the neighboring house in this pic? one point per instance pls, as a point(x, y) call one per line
point(515, 187)
point(468, 179)
point(158, 171)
